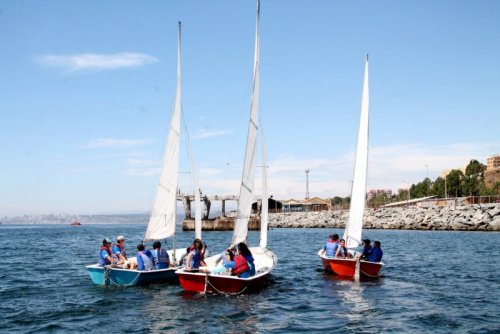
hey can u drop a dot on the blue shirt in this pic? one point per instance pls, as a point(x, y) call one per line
point(103, 261)
point(367, 250)
point(375, 255)
point(251, 265)
point(195, 260)
point(117, 251)
point(330, 248)
point(144, 260)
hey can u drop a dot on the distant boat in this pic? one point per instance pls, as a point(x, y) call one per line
point(264, 258)
point(354, 227)
point(163, 216)
point(76, 223)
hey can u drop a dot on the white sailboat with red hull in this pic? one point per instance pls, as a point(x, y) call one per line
point(264, 258)
point(354, 227)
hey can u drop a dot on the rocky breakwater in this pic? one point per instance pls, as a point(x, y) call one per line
point(484, 217)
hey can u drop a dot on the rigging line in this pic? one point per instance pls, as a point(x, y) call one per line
point(243, 112)
point(187, 142)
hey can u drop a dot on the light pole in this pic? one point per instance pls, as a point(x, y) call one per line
point(307, 183)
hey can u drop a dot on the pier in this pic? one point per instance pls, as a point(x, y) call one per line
point(222, 223)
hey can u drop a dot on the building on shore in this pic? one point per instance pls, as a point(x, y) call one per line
point(492, 173)
point(310, 204)
point(379, 192)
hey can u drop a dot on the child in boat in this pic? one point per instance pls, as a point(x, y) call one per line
point(120, 254)
point(236, 262)
point(330, 248)
point(247, 254)
point(105, 256)
point(375, 253)
point(160, 256)
point(342, 251)
point(366, 249)
point(194, 259)
point(144, 258)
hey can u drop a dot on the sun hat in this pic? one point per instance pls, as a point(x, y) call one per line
point(120, 238)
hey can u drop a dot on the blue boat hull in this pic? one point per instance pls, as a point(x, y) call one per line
point(126, 277)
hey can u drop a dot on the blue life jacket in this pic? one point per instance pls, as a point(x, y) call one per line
point(103, 261)
point(331, 248)
point(161, 259)
point(195, 259)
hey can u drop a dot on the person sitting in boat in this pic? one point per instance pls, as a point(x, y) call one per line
point(375, 253)
point(366, 249)
point(342, 251)
point(194, 259)
point(238, 264)
point(161, 259)
point(247, 254)
point(190, 248)
point(144, 258)
point(105, 255)
point(119, 252)
point(330, 248)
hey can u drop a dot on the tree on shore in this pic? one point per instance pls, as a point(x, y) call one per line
point(473, 180)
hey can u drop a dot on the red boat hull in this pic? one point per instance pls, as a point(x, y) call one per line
point(343, 267)
point(202, 283)
point(370, 269)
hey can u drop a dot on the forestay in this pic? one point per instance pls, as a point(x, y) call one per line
point(265, 203)
point(354, 227)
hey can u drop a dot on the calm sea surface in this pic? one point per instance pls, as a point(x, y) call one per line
point(434, 282)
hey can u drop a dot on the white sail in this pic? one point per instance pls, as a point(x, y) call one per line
point(162, 221)
point(354, 227)
point(249, 165)
point(264, 209)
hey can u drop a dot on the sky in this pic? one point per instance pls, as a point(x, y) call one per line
point(86, 92)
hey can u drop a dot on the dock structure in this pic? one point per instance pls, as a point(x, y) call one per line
point(207, 202)
point(222, 223)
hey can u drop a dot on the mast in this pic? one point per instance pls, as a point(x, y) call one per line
point(163, 215)
point(249, 165)
point(354, 227)
point(264, 206)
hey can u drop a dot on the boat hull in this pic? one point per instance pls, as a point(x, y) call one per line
point(127, 277)
point(341, 267)
point(347, 267)
point(195, 281)
point(370, 269)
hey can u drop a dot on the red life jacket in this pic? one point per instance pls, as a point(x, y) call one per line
point(107, 249)
point(241, 265)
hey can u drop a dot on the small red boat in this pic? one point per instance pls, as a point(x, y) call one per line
point(76, 223)
point(347, 267)
point(197, 281)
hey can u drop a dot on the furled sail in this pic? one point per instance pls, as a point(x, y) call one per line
point(354, 227)
point(162, 221)
point(249, 165)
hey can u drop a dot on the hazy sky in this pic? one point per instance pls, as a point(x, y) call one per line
point(87, 89)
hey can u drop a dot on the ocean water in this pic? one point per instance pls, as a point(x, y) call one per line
point(434, 282)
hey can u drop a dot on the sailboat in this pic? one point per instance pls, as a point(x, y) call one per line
point(354, 227)
point(264, 258)
point(162, 220)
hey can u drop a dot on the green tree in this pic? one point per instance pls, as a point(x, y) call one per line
point(454, 182)
point(473, 181)
point(438, 187)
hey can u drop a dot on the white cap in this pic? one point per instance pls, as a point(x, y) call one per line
point(120, 238)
